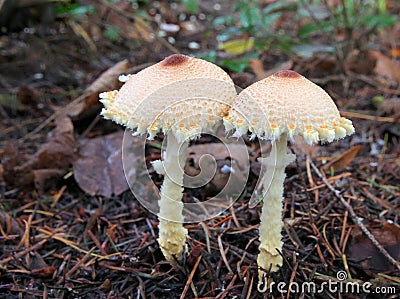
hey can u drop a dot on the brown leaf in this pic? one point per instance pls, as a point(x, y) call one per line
point(194, 255)
point(44, 272)
point(27, 95)
point(258, 68)
point(58, 151)
point(55, 155)
point(230, 155)
point(106, 285)
point(390, 106)
point(340, 162)
point(362, 251)
point(386, 67)
point(9, 225)
point(99, 169)
point(361, 62)
point(45, 178)
point(395, 52)
point(89, 102)
point(219, 151)
point(302, 148)
point(242, 80)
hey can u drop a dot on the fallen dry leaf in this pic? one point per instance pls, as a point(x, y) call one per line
point(361, 62)
point(98, 169)
point(89, 102)
point(27, 95)
point(386, 67)
point(9, 225)
point(229, 156)
point(302, 148)
point(258, 68)
point(395, 52)
point(54, 156)
point(340, 162)
point(390, 106)
point(44, 272)
point(39, 268)
point(219, 151)
point(362, 251)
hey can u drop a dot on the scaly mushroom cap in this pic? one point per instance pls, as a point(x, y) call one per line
point(181, 93)
point(286, 102)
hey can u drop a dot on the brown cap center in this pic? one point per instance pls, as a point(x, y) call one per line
point(287, 74)
point(174, 60)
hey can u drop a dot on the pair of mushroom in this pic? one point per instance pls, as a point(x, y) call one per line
point(184, 97)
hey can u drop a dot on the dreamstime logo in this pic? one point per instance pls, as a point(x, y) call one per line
point(338, 285)
point(341, 275)
point(185, 113)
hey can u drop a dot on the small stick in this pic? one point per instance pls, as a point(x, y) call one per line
point(53, 117)
point(22, 253)
point(207, 235)
point(356, 219)
point(228, 288)
point(250, 287)
point(221, 249)
point(292, 276)
point(190, 278)
point(77, 266)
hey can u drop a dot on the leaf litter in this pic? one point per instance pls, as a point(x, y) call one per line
point(98, 168)
point(52, 160)
point(65, 243)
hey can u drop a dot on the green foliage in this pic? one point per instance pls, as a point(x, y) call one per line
point(250, 29)
point(112, 33)
point(360, 16)
point(192, 6)
point(74, 10)
point(254, 21)
point(210, 56)
point(236, 65)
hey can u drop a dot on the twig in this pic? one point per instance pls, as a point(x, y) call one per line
point(250, 288)
point(53, 117)
point(368, 117)
point(22, 253)
point(292, 276)
point(207, 235)
point(372, 82)
point(228, 288)
point(190, 278)
point(355, 218)
point(76, 267)
point(223, 255)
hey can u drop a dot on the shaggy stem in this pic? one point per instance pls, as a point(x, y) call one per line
point(271, 217)
point(172, 234)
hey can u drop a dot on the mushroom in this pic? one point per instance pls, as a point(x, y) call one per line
point(183, 97)
point(276, 108)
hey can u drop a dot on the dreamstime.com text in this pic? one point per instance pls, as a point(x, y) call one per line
point(331, 286)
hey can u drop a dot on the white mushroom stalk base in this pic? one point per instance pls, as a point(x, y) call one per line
point(271, 217)
point(172, 234)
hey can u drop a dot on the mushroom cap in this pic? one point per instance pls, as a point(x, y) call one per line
point(287, 102)
point(183, 94)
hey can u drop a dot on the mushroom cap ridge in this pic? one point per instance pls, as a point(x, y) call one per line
point(181, 93)
point(287, 102)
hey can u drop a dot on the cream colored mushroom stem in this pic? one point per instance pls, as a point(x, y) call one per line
point(172, 234)
point(271, 217)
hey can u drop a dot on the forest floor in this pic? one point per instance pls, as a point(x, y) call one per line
point(71, 228)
